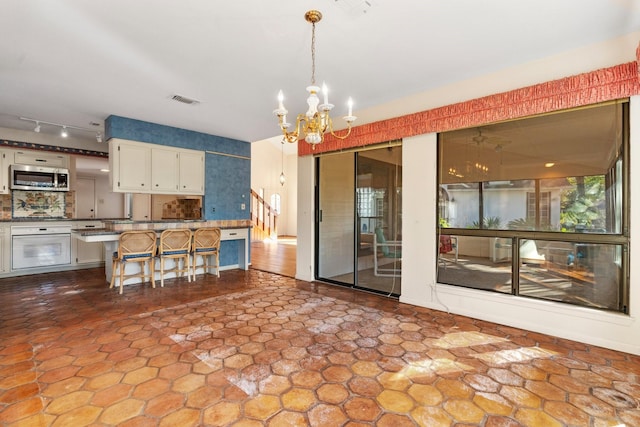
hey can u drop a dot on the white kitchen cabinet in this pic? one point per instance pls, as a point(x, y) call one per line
point(138, 167)
point(5, 248)
point(164, 170)
point(87, 252)
point(130, 166)
point(191, 172)
point(4, 171)
point(41, 158)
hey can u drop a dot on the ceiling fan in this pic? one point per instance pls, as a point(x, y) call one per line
point(497, 142)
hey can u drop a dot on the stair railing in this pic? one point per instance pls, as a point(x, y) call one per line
point(264, 218)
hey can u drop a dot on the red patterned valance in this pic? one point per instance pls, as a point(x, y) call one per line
point(638, 60)
point(602, 85)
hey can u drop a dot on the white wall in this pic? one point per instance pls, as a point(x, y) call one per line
point(290, 206)
point(305, 249)
point(266, 165)
point(110, 204)
point(419, 287)
point(419, 176)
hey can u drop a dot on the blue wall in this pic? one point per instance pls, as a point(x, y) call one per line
point(136, 130)
point(227, 178)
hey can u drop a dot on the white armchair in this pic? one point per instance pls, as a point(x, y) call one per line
point(386, 252)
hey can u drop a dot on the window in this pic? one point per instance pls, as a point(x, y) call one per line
point(539, 209)
point(560, 176)
point(370, 207)
point(275, 203)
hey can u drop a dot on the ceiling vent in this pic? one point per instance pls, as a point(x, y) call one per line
point(185, 100)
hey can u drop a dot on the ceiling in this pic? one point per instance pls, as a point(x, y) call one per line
point(541, 147)
point(76, 62)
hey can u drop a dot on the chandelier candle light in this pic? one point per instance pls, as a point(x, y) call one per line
point(316, 121)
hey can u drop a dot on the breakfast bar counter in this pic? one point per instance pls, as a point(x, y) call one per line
point(231, 230)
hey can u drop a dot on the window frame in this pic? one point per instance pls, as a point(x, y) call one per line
point(621, 238)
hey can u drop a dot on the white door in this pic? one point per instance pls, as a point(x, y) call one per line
point(141, 207)
point(85, 198)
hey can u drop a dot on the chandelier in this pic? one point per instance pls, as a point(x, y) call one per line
point(316, 121)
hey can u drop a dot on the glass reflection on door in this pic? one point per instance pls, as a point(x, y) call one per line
point(379, 219)
point(335, 218)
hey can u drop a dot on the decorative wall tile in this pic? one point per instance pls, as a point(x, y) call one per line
point(38, 204)
point(5, 207)
point(182, 209)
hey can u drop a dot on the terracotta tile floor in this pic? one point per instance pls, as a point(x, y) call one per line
point(258, 349)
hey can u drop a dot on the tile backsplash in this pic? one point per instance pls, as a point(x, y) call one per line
point(37, 204)
point(182, 209)
point(5, 207)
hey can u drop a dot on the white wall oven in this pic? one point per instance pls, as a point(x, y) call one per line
point(33, 246)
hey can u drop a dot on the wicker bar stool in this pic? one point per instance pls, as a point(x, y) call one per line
point(176, 245)
point(137, 247)
point(206, 244)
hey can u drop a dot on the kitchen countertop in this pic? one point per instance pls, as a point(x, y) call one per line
point(117, 226)
point(125, 225)
point(232, 229)
point(105, 231)
point(49, 219)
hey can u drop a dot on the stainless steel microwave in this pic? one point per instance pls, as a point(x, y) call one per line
point(43, 178)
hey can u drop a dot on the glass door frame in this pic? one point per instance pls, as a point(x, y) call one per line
point(356, 279)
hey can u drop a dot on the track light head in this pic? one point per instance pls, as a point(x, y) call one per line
point(64, 129)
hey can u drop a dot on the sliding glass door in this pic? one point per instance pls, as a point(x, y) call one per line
point(336, 234)
point(359, 219)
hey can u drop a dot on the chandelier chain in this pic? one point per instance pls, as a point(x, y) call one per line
point(313, 53)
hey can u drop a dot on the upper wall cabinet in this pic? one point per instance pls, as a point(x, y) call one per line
point(164, 170)
point(130, 166)
point(191, 169)
point(41, 158)
point(138, 167)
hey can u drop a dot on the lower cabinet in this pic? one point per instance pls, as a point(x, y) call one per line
point(87, 252)
point(5, 249)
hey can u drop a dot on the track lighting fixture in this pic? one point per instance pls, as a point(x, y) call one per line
point(64, 132)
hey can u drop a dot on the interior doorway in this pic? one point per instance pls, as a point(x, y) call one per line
point(275, 255)
point(85, 197)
